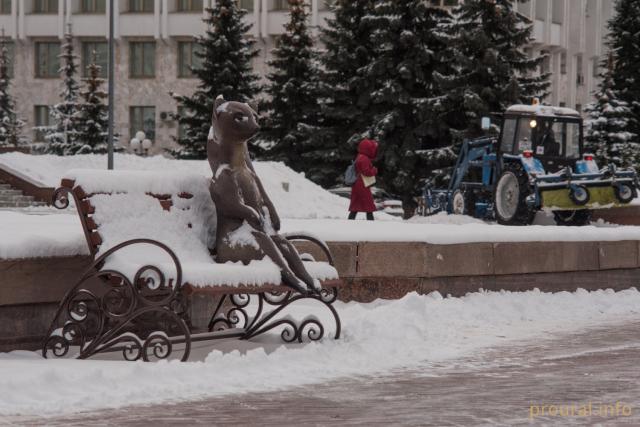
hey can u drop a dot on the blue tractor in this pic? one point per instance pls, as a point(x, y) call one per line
point(537, 163)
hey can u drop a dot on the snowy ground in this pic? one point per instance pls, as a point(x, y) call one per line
point(378, 339)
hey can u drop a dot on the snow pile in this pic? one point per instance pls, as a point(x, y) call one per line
point(34, 236)
point(377, 338)
point(293, 195)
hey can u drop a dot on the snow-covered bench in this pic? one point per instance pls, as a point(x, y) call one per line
point(150, 234)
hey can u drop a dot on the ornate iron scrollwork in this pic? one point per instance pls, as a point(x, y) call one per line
point(140, 317)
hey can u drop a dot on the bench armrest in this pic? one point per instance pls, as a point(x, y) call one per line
point(322, 245)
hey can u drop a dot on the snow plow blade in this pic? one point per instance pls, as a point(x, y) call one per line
point(599, 198)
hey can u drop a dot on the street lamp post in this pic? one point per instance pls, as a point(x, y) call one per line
point(111, 89)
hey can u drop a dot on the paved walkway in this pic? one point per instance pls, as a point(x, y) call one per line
point(500, 387)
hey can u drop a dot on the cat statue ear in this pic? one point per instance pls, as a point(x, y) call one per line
point(214, 116)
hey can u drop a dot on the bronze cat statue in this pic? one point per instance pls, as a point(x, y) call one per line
point(248, 223)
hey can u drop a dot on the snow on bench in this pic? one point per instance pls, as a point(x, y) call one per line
point(174, 208)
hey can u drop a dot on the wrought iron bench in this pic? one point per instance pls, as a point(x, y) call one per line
point(135, 296)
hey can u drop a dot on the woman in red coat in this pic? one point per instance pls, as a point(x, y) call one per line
point(361, 198)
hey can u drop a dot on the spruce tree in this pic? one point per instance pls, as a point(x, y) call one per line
point(492, 69)
point(226, 55)
point(10, 124)
point(408, 50)
point(608, 134)
point(62, 136)
point(344, 92)
point(92, 115)
point(292, 102)
point(624, 40)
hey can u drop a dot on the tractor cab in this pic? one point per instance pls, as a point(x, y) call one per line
point(553, 135)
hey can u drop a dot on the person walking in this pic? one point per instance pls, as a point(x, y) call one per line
point(361, 197)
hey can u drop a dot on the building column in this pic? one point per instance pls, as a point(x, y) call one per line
point(61, 5)
point(256, 18)
point(263, 19)
point(21, 29)
point(156, 19)
point(14, 19)
point(165, 19)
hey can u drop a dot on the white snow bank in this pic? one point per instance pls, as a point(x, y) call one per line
point(458, 230)
point(293, 195)
point(33, 236)
point(377, 338)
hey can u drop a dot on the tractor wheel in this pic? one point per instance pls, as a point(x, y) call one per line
point(573, 218)
point(463, 203)
point(510, 196)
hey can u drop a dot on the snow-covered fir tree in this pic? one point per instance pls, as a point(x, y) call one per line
point(292, 103)
point(608, 133)
point(492, 69)
point(61, 137)
point(408, 50)
point(225, 52)
point(624, 40)
point(344, 91)
point(92, 115)
point(10, 124)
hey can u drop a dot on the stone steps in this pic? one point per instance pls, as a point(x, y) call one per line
point(13, 198)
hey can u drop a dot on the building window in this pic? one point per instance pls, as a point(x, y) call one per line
point(143, 119)
point(141, 6)
point(187, 58)
point(557, 11)
point(541, 10)
point(246, 5)
point(280, 5)
point(47, 61)
point(189, 6)
point(563, 104)
point(563, 63)
point(5, 7)
point(92, 6)
point(545, 66)
point(41, 118)
point(596, 67)
point(101, 50)
point(45, 6)
point(10, 57)
point(142, 59)
point(579, 73)
point(579, 108)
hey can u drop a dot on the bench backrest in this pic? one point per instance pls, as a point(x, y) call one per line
point(173, 208)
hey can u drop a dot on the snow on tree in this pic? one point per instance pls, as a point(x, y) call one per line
point(10, 124)
point(344, 91)
point(408, 49)
point(492, 69)
point(292, 105)
point(608, 133)
point(62, 136)
point(624, 42)
point(92, 116)
point(226, 53)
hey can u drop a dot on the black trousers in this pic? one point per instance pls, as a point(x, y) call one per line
point(352, 215)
